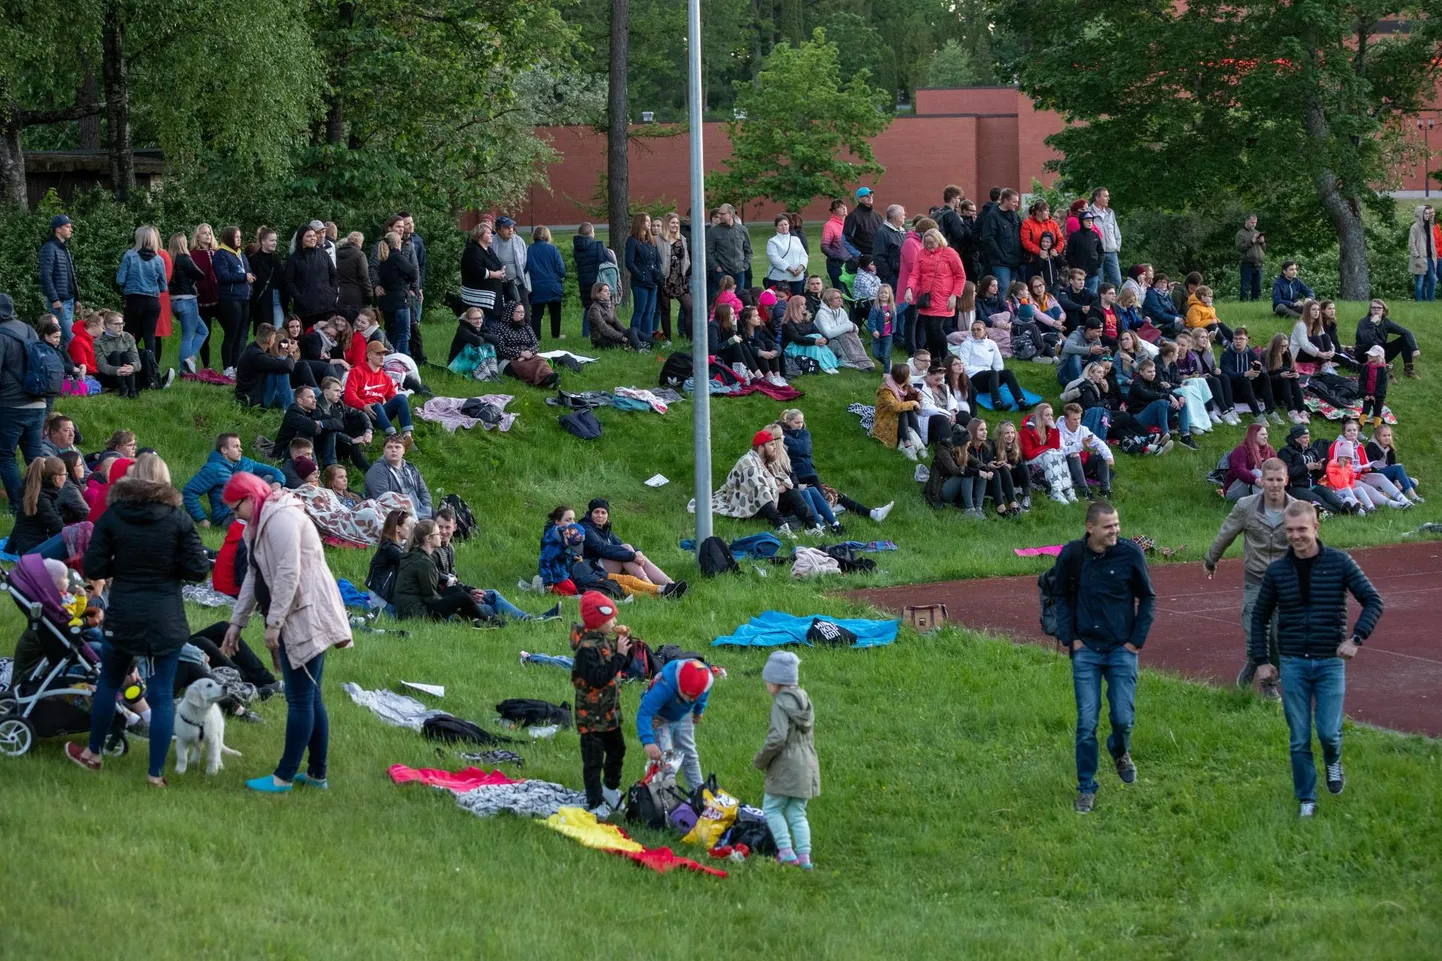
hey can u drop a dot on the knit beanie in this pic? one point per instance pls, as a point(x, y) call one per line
point(304, 466)
point(600, 502)
point(781, 668)
point(767, 298)
point(693, 679)
point(596, 609)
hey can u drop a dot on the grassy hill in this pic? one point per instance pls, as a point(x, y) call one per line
point(945, 827)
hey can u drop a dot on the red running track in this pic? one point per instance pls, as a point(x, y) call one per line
point(1395, 681)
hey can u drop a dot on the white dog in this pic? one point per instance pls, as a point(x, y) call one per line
point(199, 721)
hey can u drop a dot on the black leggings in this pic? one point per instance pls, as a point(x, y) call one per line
point(1287, 391)
point(1221, 392)
point(141, 315)
point(554, 309)
point(1256, 392)
point(768, 365)
point(208, 314)
point(935, 336)
point(854, 506)
point(739, 354)
point(907, 420)
point(991, 381)
point(234, 327)
point(309, 373)
point(455, 602)
point(1003, 486)
point(1020, 478)
point(251, 668)
point(791, 502)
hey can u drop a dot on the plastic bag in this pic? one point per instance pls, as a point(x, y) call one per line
point(718, 812)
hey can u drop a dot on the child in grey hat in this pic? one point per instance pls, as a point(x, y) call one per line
point(793, 775)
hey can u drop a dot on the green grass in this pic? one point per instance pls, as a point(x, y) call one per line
point(945, 827)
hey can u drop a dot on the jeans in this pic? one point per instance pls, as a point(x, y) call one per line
point(65, 313)
point(786, 817)
point(643, 311)
point(1251, 281)
point(1099, 466)
point(113, 668)
point(1398, 476)
point(21, 427)
point(1158, 414)
point(1069, 369)
point(818, 503)
point(52, 549)
point(1313, 687)
point(306, 724)
point(1112, 268)
point(1425, 285)
point(1088, 668)
point(398, 329)
point(396, 408)
point(192, 331)
point(495, 605)
point(881, 350)
point(681, 736)
point(1003, 277)
point(1250, 590)
point(276, 311)
point(279, 395)
point(1094, 280)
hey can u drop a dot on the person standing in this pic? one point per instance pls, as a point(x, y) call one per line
point(416, 245)
point(233, 280)
point(833, 242)
point(728, 251)
point(1252, 248)
point(1421, 254)
point(58, 284)
point(888, 243)
point(141, 276)
point(510, 250)
point(1307, 589)
point(1258, 518)
point(310, 279)
point(1104, 608)
point(786, 257)
point(288, 579)
point(602, 652)
point(671, 246)
point(1106, 225)
point(548, 277)
point(22, 415)
point(643, 264)
point(1001, 240)
point(207, 293)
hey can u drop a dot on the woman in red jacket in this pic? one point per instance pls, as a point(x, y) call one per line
point(1032, 230)
point(934, 286)
point(1041, 449)
point(369, 388)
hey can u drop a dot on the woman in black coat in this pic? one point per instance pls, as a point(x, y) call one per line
point(481, 272)
point(397, 275)
point(148, 546)
point(310, 279)
point(39, 520)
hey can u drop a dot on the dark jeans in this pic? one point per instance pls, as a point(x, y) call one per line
point(1256, 392)
point(553, 308)
point(306, 723)
point(1251, 281)
point(1288, 392)
point(454, 602)
point(234, 328)
point(398, 329)
point(141, 315)
point(396, 408)
point(991, 381)
point(1313, 689)
point(252, 669)
point(1321, 496)
point(601, 751)
point(1088, 668)
point(22, 427)
point(113, 668)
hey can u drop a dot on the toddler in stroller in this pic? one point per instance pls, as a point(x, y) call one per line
point(53, 675)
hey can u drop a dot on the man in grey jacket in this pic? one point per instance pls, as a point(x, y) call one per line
point(1258, 518)
point(22, 416)
point(1106, 225)
point(394, 473)
point(728, 251)
point(510, 250)
point(1252, 248)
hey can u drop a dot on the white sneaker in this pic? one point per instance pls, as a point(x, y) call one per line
point(613, 797)
point(229, 372)
point(189, 365)
point(817, 531)
point(1230, 417)
point(830, 370)
point(785, 531)
point(1071, 497)
point(601, 811)
point(909, 453)
point(878, 514)
point(1059, 498)
point(169, 378)
point(1216, 417)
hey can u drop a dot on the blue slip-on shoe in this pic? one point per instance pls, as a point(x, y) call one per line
point(267, 785)
point(305, 780)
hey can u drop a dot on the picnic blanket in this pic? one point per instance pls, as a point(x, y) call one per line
point(582, 827)
point(984, 399)
point(446, 411)
point(773, 628)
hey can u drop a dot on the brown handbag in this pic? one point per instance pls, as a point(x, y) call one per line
point(532, 370)
point(924, 617)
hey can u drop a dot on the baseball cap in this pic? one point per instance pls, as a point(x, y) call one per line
point(863, 192)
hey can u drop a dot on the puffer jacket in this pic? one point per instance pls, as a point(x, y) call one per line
point(588, 253)
point(417, 579)
point(1316, 628)
point(939, 273)
point(555, 564)
point(789, 755)
point(353, 278)
point(798, 448)
point(57, 271)
point(1261, 544)
point(149, 548)
point(230, 267)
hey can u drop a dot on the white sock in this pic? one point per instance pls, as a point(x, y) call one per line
point(145, 715)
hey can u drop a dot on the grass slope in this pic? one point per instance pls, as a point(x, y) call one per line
point(945, 827)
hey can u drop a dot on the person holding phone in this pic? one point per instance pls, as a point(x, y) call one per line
point(1243, 369)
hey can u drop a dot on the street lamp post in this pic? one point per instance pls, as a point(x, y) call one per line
point(701, 395)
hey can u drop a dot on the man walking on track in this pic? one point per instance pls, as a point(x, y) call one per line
point(1104, 608)
point(1308, 588)
point(1258, 517)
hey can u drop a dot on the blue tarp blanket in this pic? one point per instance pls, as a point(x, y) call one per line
point(773, 629)
point(351, 595)
point(7, 558)
point(984, 399)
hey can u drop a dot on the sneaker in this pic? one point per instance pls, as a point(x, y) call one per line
point(1059, 498)
point(817, 531)
point(878, 514)
point(1071, 497)
point(76, 753)
point(1309, 809)
point(1085, 802)
point(785, 531)
point(1164, 448)
point(248, 716)
point(1336, 780)
point(1106, 492)
point(168, 379)
point(787, 858)
point(909, 453)
point(1275, 417)
point(305, 780)
point(1126, 768)
point(601, 811)
point(554, 614)
point(188, 365)
point(1216, 417)
point(267, 785)
point(1187, 442)
point(1231, 417)
point(674, 589)
point(612, 796)
point(837, 530)
point(1039, 359)
point(268, 691)
point(523, 585)
point(229, 372)
point(1025, 502)
point(1245, 675)
point(486, 623)
point(1416, 499)
point(804, 862)
point(974, 513)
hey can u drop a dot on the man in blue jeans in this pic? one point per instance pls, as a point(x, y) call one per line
point(1308, 590)
point(1104, 608)
point(22, 416)
point(57, 275)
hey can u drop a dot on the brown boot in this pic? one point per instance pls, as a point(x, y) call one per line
point(1412, 372)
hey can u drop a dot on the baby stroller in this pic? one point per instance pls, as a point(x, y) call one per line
point(51, 698)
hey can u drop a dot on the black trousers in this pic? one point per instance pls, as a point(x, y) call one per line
point(1221, 393)
point(739, 354)
point(208, 314)
point(1321, 496)
point(252, 669)
point(141, 315)
point(602, 753)
point(1287, 391)
point(457, 602)
point(553, 308)
point(935, 337)
point(991, 381)
point(309, 373)
point(854, 506)
point(235, 328)
point(1253, 391)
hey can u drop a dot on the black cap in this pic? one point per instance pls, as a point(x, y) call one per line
point(1297, 431)
point(1094, 323)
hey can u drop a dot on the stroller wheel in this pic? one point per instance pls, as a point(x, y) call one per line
point(116, 745)
point(8, 706)
point(16, 736)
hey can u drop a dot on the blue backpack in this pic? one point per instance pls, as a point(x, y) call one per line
point(759, 546)
point(44, 370)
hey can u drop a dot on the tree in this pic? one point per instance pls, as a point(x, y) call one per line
point(954, 66)
point(805, 133)
point(1231, 96)
point(618, 129)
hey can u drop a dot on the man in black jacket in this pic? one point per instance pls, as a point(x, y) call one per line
point(1001, 240)
point(303, 419)
point(22, 415)
point(863, 222)
point(57, 275)
point(1308, 589)
point(887, 245)
point(589, 253)
point(1104, 608)
point(1305, 468)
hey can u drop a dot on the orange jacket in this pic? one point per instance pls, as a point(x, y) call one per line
point(1199, 314)
point(1341, 476)
point(1031, 231)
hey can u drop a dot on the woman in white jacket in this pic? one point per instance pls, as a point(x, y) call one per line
point(986, 370)
point(787, 256)
point(836, 326)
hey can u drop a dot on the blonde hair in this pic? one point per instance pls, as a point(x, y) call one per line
point(890, 297)
point(178, 245)
point(1127, 298)
point(542, 234)
point(147, 238)
point(391, 241)
point(356, 238)
point(195, 243)
point(936, 235)
point(149, 467)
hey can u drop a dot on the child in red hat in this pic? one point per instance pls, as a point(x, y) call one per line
point(603, 649)
point(670, 710)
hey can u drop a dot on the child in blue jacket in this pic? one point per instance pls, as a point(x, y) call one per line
point(669, 712)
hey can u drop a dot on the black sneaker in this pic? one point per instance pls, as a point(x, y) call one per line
point(1085, 802)
point(1126, 769)
point(554, 614)
point(675, 589)
point(1106, 492)
point(1336, 780)
point(250, 717)
point(1187, 442)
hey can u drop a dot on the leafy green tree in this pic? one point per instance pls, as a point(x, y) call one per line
point(1175, 107)
point(954, 66)
point(805, 134)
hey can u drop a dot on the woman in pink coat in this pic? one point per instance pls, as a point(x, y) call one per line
point(287, 578)
point(906, 313)
point(934, 286)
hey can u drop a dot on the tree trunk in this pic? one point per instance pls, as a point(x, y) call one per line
point(618, 133)
point(117, 110)
point(1343, 210)
point(12, 165)
point(89, 92)
point(334, 108)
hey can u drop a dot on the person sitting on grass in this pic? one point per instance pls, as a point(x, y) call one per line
point(262, 374)
point(71, 501)
point(369, 388)
point(1306, 470)
point(1154, 405)
point(1377, 329)
point(605, 330)
point(386, 561)
point(1381, 454)
point(517, 348)
point(805, 501)
point(39, 527)
point(800, 337)
point(1010, 461)
point(356, 433)
point(118, 364)
point(836, 326)
point(336, 480)
point(1084, 449)
point(1343, 476)
point(589, 575)
point(417, 592)
point(227, 460)
point(299, 447)
point(1250, 384)
point(472, 354)
point(98, 484)
point(752, 489)
point(730, 345)
point(554, 569)
point(304, 421)
point(1244, 464)
point(1289, 293)
point(987, 371)
point(393, 473)
point(602, 544)
point(59, 435)
point(1382, 489)
point(493, 605)
point(763, 345)
point(797, 441)
point(1041, 448)
point(897, 420)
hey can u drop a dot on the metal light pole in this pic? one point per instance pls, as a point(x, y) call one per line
point(1426, 129)
point(701, 396)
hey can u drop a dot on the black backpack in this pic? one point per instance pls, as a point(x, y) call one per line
point(465, 520)
point(1049, 587)
point(848, 558)
point(582, 424)
point(753, 832)
point(651, 800)
point(526, 712)
point(677, 370)
point(715, 557)
point(448, 729)
point(667, 653)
